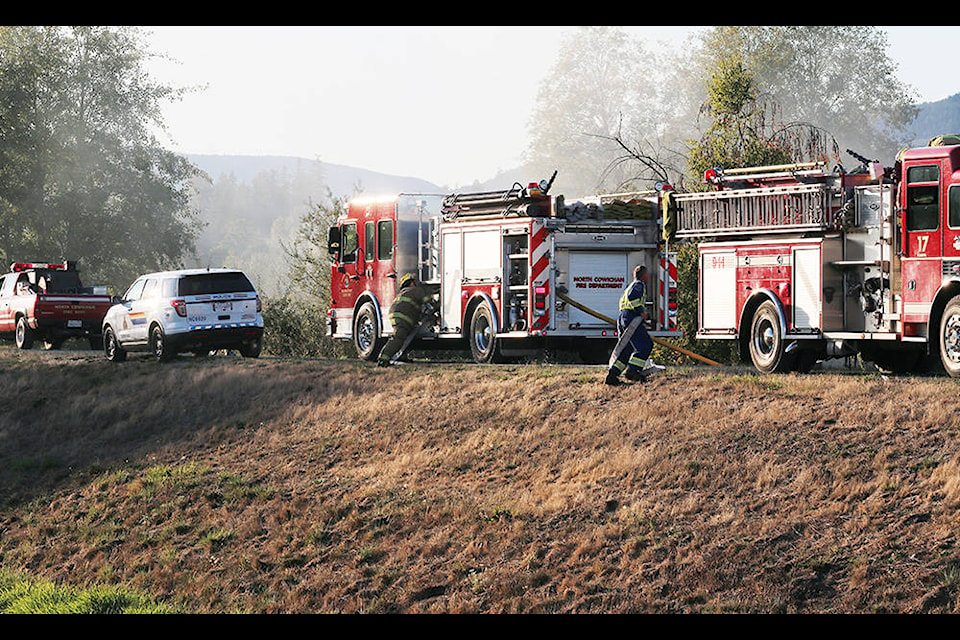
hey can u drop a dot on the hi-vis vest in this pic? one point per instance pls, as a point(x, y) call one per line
point(635, 302)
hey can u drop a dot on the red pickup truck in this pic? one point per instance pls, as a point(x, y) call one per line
point(47, 302)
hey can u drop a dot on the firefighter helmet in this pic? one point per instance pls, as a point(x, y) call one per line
point(407, 280)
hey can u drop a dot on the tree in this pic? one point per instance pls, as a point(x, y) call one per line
point(82, 176)
point(745, 129)
point(601, 91)
point(294, 319)
point(835, 78)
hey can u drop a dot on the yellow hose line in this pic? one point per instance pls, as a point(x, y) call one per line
point(662, 343)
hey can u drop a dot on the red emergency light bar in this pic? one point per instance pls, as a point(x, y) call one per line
point(24, 266)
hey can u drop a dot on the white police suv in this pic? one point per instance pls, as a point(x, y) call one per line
point(195, 310)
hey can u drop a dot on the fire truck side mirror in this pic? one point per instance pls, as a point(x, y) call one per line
point(333, 240)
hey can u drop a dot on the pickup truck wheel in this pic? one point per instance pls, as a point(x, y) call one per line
point(24, 335)
point(111, 347)
point(484, 344)
point(766, 341)
point(950, 338)
point(158, 345)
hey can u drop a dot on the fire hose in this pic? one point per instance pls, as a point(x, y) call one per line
point(662, 343)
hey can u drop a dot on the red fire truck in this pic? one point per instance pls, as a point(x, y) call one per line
point(513, 271)
point(799, 263)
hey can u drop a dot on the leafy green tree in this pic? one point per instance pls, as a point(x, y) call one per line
point(745, 130)
point(295, 318)
point(82, 177)
point(834, 78)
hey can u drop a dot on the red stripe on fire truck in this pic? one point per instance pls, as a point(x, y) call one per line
point(539, 261)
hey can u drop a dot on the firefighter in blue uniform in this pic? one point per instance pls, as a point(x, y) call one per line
point(631, 356)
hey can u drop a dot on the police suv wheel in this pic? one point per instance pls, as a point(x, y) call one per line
point(250, 349)
point(158, 345)
point(111, 347)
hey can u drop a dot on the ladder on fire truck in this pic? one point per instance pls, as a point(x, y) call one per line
point(515, 201)
point(758, 200)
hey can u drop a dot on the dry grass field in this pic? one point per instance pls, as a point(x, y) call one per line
point(269, 486)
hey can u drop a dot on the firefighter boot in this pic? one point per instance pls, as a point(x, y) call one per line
point(634, 375)
point(651, 367)
point(612, 379)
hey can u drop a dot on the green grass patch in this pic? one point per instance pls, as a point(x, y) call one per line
point(19, 594)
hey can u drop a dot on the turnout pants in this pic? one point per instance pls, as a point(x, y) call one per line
point(633, 348)
point(401, 330)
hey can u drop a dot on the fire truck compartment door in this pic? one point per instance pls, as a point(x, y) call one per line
point(806, 288)
point(451, 270)
point(718, 290)
point(596, 281)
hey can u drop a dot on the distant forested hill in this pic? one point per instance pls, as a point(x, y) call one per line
point(936, 118)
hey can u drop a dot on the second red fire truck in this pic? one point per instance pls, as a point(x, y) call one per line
point(800, 263)
point(513, 271)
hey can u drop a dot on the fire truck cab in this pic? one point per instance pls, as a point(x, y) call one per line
point(512, 271)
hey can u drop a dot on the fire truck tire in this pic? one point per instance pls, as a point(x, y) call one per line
point(484, 344)
point(950, 338)
point(766, 341)
point(24, 334)
point(111, 347)
point(366, 333)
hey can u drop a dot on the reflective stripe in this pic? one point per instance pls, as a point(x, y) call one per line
point(408, 305)
point(632, 303)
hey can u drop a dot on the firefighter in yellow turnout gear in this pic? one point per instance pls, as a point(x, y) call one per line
point(631, 356)
point(405, 315)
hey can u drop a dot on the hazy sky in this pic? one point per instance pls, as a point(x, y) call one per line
point(446, 104)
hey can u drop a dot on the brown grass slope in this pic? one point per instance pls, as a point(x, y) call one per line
point(228, 485)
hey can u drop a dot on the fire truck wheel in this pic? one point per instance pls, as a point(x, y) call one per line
point(950, 338)
point(766, 340)
point(111, 347)
point(366, 333)
point(484, 345)
point(24, 335)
